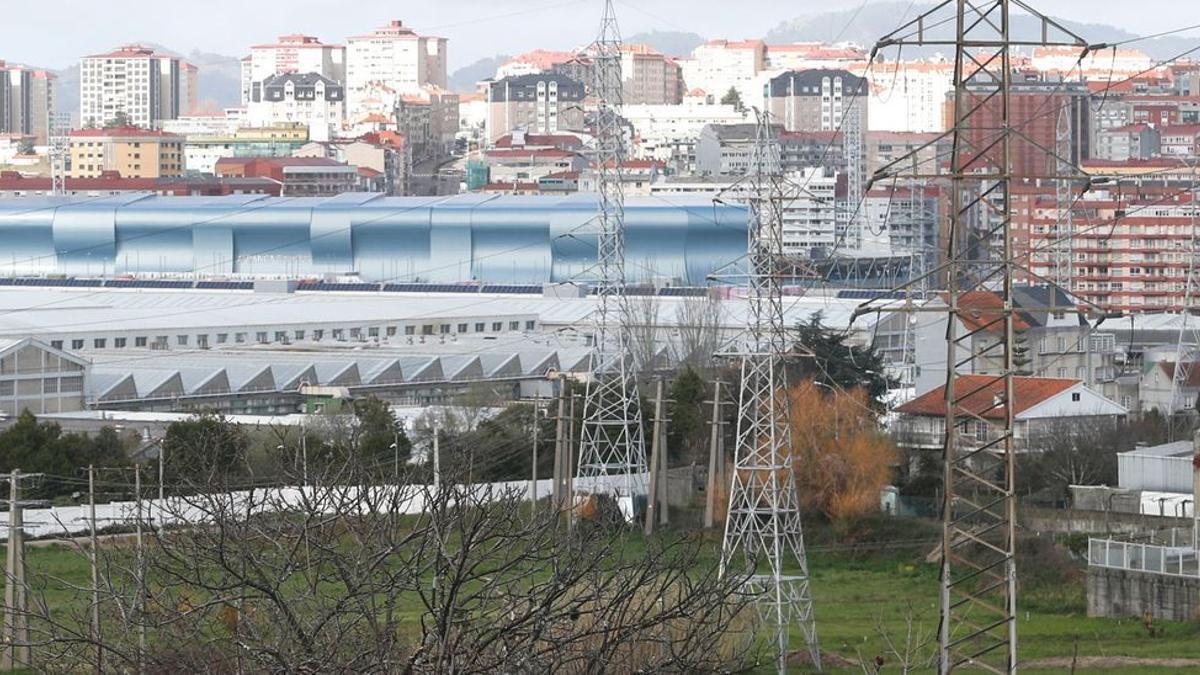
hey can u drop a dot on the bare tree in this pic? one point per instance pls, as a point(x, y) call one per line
point(357, 574)
point(699, 322)
point(646, 332)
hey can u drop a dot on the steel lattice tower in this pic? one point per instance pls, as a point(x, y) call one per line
point(978, 585)
point(763, 521)
point(611, 440)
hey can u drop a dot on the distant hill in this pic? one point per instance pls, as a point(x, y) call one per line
point(463, 80)
point(671, 43)
point(866, 25)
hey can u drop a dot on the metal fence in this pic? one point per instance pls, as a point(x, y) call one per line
point(1165, 559)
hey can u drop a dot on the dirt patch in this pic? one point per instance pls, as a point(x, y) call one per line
point(1091, 662)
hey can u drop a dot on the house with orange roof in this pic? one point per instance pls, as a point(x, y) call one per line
point(1040, 406)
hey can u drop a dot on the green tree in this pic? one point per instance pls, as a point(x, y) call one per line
point(824, 356)
point(733, 98)
point(378, 429)
point(120, 119)
point(203, 446)
point(687, 434)
point(42, 447)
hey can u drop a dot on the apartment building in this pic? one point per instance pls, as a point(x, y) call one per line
point(1126, 142)
point(292, 54)
point(298, 176)
point(720, 65)
point(388, 62)
point(129, 152)
point(304, 98)
point(649, 78)
point(542, 103)
point(135, 81)
point(908, 96)
point(26, 101)
point(818, 100)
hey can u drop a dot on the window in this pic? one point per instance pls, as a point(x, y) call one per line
point(119, 343)
point(338, 334)
point(479, 327)
point(298, 335)
point(140, 341)
point(239, 337)
point(409, 330)
point(202, 341)
point(99, 343)
point(497, 326)
point(529, 325)
point(76, 344)
point(318, 334)
point(6, 388)
point(462, 327)
point(1061, 343)
point(1075, 397)
point(261, 337)
point(1062, 372)
point(981, 431)
point(391, 331)
point(222, 338)
point(444, 328)
point(181, 340)
point(427, 329)
point(71, 385)
point(57, 344)
point(50, 386)
point(514, 325)
point(281, 336)
point(373, 331)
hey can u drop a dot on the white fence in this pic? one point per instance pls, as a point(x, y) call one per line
point(1170, 560)
point(70, 521)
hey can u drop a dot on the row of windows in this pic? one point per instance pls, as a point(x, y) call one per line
point(52, 385)
point(298, 335)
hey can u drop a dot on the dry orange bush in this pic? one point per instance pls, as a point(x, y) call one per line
point(842, 459)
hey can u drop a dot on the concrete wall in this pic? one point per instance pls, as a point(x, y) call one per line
point(1118, 593)
point(1068, 521)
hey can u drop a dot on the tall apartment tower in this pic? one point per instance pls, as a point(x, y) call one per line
point(292, 54)
point(390, 62)
point(146, 86)
point(26, 100)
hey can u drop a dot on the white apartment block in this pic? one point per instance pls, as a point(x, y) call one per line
point(718, 65)
point(810, 221)
point(662, 129)
point(144, 85)
point(292, 54)
point(908, 95)
point(306, 98)
point(387, 63)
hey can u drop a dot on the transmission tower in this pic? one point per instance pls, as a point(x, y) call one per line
point(611, 440)
point(978, 574)
point(1187, 342)
point(763, 522)
point(1064, 233)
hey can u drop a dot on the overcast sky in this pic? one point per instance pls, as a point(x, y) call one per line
point(56, 34)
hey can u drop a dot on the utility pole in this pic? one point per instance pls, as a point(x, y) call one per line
point(304, 454)
point(978, 585)
point(716, 460)
point(141, 569)
point(437, 459)
point(95, 561)
point(612, 448)
point(16, 593)
point(533, 491)
point(560, 437)
point(569, 463)
point(655, 461)
point(660, 432)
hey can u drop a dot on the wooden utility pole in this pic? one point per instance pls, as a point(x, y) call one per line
point(655, 461)
point(660, 433)
point(716, 459)
point(16, 592)
point(95, 569)
point(533, 476)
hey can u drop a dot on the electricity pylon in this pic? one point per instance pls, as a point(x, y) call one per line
point(763, 521)
point(978, 589)
point(612, 443)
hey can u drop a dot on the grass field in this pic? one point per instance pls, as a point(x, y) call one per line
point(857, 595)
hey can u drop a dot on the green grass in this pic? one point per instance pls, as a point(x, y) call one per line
point(856, 595)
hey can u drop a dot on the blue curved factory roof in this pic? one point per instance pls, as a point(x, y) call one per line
point(486, 238)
